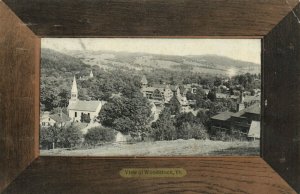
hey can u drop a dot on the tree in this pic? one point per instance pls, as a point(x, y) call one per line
point(70, 136)
point(218, 81)
point(126, 114)
point(174, 105)
point(85, 118)
point(211, 96)
point(164, 128)
point(98, 135)
point(49, 136)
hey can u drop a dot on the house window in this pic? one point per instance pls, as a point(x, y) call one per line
point(43, 124)
point(49, 119)
point(75, 114)
point(89, 114)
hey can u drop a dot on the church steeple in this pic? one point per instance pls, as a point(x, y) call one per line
point(74, 91)
point(91, 74)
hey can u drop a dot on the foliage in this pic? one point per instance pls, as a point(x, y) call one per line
point(85, 118)
point(189, 126)
point(174, 106)
point(212, 96)
point(126, 115)
point(70, 136)
point(59, 110)
point(64, 137)
point(163, 128)
point(98, 135)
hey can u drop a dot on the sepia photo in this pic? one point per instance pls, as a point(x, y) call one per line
point(150, 97)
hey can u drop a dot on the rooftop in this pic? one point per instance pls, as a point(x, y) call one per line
point(60, 117)
point(254, 130)
point(223, 116)
point(90, 106)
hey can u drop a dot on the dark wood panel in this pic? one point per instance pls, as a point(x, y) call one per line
point(281, 144)
point(96, 175)
point(19, 101)
point(65, 18)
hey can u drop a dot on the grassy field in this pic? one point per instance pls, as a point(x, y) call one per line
point(166, 148)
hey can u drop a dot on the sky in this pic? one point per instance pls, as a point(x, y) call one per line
point(240, 49)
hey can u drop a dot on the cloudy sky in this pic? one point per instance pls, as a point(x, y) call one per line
point(240, 49)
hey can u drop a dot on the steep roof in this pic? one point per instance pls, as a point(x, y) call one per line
point(255, 109)
point(90, 106)
point(144, 80)
point(60, 117)
point(254, 130)
point(223, 116)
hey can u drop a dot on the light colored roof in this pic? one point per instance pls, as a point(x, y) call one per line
point(252, 98)
point(144, 80)
point(90, 106)
point(254, 130)
point(60, 117)
point(255, 109)
point(159, 85)
point(221, 95)
point(152, 89)
point(223, 116)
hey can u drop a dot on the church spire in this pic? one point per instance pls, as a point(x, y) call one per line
point(91, 74)
point(74, 91)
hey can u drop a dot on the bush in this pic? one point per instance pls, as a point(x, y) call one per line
point(189, 131)
point(85, 118)
point(60, 137)
point(70, 136)
point(99, 135)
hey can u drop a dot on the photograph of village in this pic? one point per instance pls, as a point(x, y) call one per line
point(150, 97)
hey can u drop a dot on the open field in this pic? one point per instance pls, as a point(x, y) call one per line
point(166, 148)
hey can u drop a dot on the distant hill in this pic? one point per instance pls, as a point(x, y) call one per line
point(208, 64)
point(55, 63)
point(79, 61)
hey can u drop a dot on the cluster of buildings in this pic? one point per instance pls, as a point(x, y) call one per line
point(246, 119)
point(76, 109)
point(161, 94)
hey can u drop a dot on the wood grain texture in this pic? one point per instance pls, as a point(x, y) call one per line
point(281, 143)
point(19, 91)
point(98, 18)
point(96, 175)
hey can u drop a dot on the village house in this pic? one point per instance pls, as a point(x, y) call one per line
point(87, 77)
point(243, 120)
point(78, 107)
point(58, 119)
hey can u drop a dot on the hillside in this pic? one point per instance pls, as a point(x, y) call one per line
point(206, 64)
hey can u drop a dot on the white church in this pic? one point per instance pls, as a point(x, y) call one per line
point(78, 107)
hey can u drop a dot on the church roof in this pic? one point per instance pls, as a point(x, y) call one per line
point(90, 106)
point(74, 86)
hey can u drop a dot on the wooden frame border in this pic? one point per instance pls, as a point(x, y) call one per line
point(23, 23)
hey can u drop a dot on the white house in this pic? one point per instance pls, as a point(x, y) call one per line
point(78, 107)
point(60, 119)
